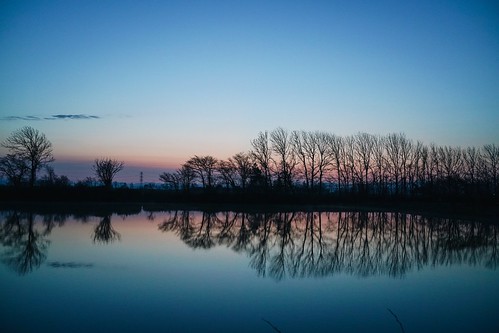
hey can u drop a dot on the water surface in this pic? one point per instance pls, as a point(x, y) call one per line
point(191, 271)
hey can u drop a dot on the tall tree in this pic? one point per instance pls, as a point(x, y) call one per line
point(106, 169)
point(491, 162)
point(262, 154)
point(243, 165)
point(32, 146)
point(285, 160)
point(364, 151)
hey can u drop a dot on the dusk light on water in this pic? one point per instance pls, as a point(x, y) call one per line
point(249, 166)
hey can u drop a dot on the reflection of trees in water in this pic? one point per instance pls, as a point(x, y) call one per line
point(23, 236)
point(303, 244)
point(104, 231)
point(25, 246)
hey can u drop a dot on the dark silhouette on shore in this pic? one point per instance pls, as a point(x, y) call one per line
point(29, 150)
point(282, 167)
point(106, 169)
point(362, 166)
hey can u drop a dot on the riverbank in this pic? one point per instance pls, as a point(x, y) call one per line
point(470, 211)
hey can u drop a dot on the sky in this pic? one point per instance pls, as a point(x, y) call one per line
point(154, 83)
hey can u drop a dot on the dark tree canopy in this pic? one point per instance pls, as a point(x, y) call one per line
point(14, 168)
point(105, 169)
point(31, 146)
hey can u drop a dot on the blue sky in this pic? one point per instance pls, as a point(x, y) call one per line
point(160, 81)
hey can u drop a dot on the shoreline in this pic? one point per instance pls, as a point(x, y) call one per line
point(458, 211)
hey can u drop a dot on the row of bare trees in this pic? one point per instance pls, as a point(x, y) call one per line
point(366, 164)
point(290, 161)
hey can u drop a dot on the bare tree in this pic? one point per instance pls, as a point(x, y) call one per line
point(243, 166)
point(471, 164)
point(32, 146)
point(450, 160)
point(285, 161)
point(325, 155)
point(227, 172)
point(171, 179)
point(491, 162)
point(379, 161)
point(14, 168)
point(106, 169)
point(364, 151)
point(262, 155)
point(398, 149)
point(204, 167)
point(336, 144)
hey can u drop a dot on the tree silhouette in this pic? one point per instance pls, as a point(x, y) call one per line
point(106, 169)
point(29, 145)
point(15, 168)
point(204, 168)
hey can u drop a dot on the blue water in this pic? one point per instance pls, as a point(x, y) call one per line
point(189, 271)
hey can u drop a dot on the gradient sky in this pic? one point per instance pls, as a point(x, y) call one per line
point(156, 82)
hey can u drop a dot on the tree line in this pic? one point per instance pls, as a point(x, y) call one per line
point(363, 164)
point(304, 162)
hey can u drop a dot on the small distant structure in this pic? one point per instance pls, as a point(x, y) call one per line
point(141, 179)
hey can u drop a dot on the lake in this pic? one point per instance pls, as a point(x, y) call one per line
point(195, 271)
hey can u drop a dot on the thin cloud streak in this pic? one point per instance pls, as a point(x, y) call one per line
point(72, 116)
point(29, 118)
point(53, 117)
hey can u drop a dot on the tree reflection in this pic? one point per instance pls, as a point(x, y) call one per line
point(315, 244)
point(25, 246)
point(104, 232)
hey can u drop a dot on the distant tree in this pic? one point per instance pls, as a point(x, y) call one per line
point(51, 179)
point(243, 166)
point(324, 154)
point(336, 146)
point(305, 152)
point(203, 167)
point(32, 146)
point(106, 169)
point(364, 145)
point(262, 155)
point(171, 179)
point(285, 161)
point(14, 168)
point(227, 172)
point(491, 164)
point(186, 177)
point(180, 179)
point(471, 163)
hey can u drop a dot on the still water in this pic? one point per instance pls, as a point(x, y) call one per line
point(194, 271)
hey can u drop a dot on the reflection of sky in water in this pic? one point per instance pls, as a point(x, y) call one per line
point(152, 281)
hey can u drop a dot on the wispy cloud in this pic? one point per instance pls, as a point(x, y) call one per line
point(21, 118)
point(53, 117)
point(72, 116)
